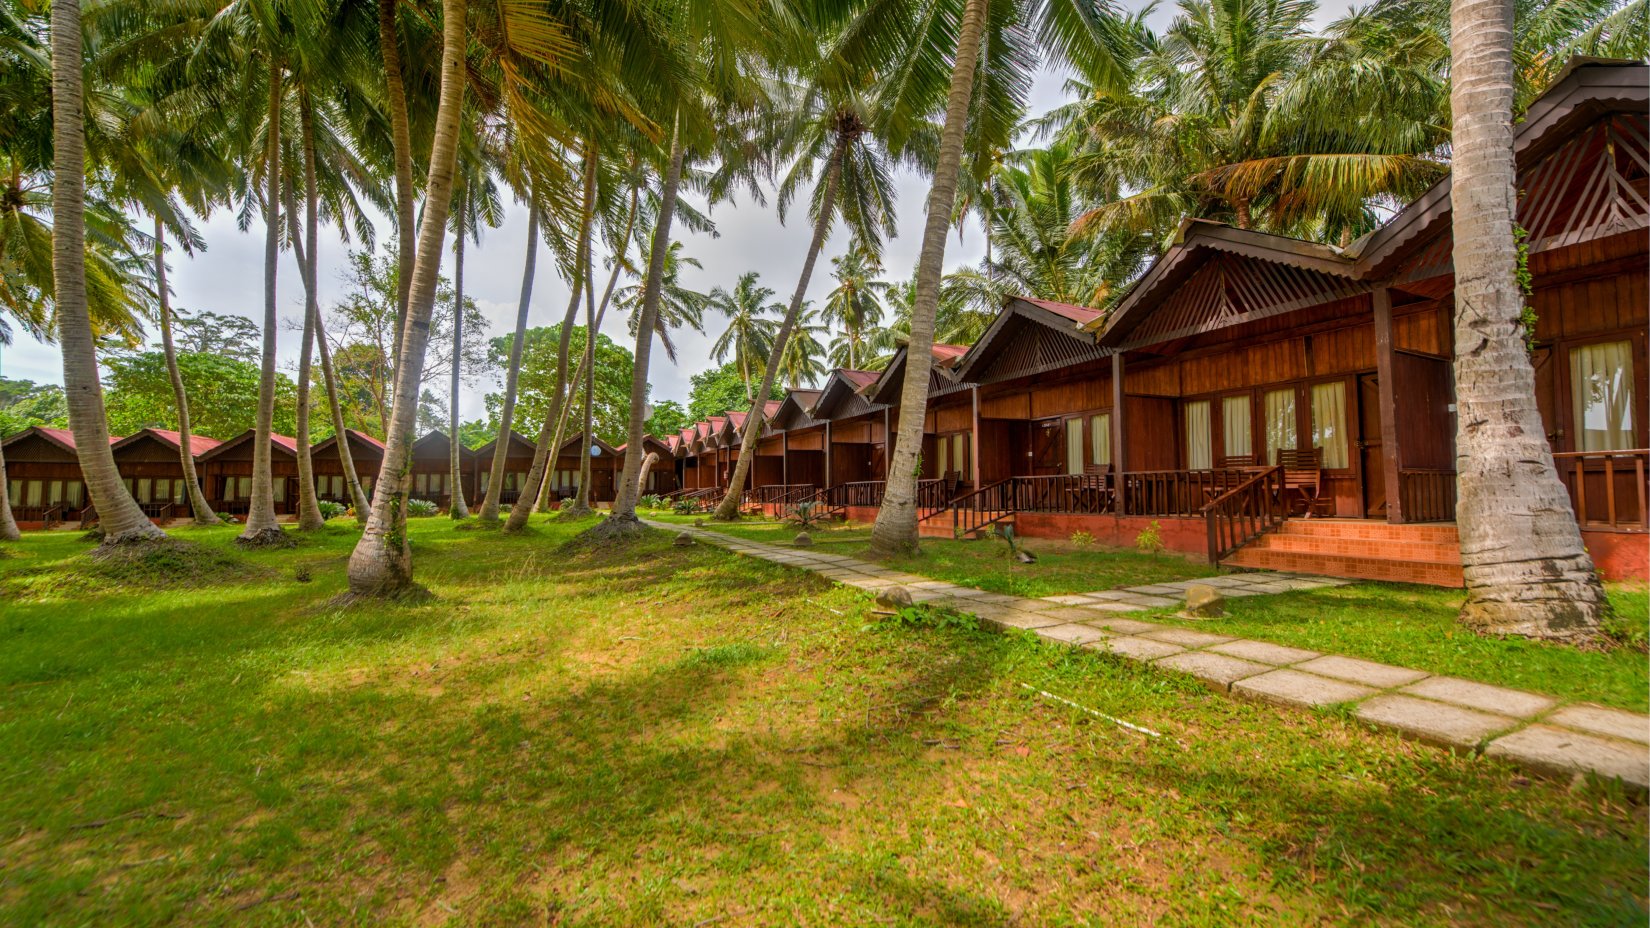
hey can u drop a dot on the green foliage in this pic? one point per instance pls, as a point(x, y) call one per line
point(1526, 286)
point(475, 433)
point(421, 508)
point(24, 403)
point(223, 396)
point(1150, 539)
point(716, 391)
point(939, 618)
point(226, 335)
point(668, 418)
point(614, 368)
point(687, 507)
point(806, 516)
point(651, 501)
point(331, 510)
point(1081, 539)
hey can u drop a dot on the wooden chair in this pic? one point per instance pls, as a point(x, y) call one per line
point(1237, 461)
point(1303, 473)
point(1104, 494)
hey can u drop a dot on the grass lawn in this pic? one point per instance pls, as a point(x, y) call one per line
point(679, 736)
point(984, 564)
point(1415, 626)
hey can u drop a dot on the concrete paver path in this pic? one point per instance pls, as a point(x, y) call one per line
point(1530, 729)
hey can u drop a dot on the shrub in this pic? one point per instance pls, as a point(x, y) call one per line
point(332, 510)
point(1150, 539)
point(686, 507)
point(421, 507)
point(652, 501)
point(228, 519)
point(1081, 539)
point(806, 516)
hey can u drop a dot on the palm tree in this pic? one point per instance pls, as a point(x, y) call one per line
point(475, 205)
point(1526, 569)
point(802, 363)
point(855, 303)
point(679, 305)
point(118, 513)
point(507, 412)
point(749, 335)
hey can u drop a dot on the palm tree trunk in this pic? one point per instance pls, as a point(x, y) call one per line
point(550, 432)
point(651, 459)
point(895, 531)
point(401, 138)
point(382, 563)
point(261, 525)
point(506, 417)
point(198, 506)
point(309, 509)
point(1526, 569)
point(729, 507)
point(624, 506)
point(457, 508)
point(122, 520)
point(581, 505)
point(8, 524)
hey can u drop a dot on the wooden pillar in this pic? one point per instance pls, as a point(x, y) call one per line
point(1119, 457)
point(888, 442)
point(829, 474)
point(1381, 299)
point(785, 457)
point(974, 440)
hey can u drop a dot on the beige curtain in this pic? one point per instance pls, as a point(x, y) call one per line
point(1601, 386)
point(1329, 423)
point(1100, 439)
point(1238, 439)
point(1074, 446)
point(1280, 422)
point(1198, 450)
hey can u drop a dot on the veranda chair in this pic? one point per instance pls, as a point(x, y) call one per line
point(1237, 461)
point(1101, 493)
point(1303, 473)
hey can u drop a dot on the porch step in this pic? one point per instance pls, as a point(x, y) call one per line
point(943, 523)
point(1429, 554)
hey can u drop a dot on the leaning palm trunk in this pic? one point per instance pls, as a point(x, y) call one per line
point(623, 516)
point(550, 432)
point(198, 507)
point(401, 140)
point(587, 365)
point(8, 524)
point(118, 513)
point(309, 508)
point(647, 468)
point(507, 413)
point(1526, 570)
point(457, 509)
point(729, 507)
point(382, 563)
point(261, 526)
point(895, 531)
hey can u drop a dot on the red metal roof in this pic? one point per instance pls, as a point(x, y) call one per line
point(948, 354)
point(66, 437)
point(771, 407)
point(1081, 315)
point(285, 441)
point(197, 443)
point(859, 379)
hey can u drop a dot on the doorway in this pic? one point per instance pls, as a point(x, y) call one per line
point(1372, 462)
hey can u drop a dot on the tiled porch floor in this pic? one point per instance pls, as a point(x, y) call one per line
point(1529, 729)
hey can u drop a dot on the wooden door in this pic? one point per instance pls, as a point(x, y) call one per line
point(1371, 456)
point(1048, 447)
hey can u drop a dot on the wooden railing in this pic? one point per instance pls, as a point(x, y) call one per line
point(1426, 494)
point(1607, 488)
point(982, 508)
point(1084, 494)
point(1176, 492)
point(933, 497)
point(1245, 512)
point(862, 493)
point(778, 494)
point(47, 516)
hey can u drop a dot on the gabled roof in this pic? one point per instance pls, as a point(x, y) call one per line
point(1029, 337)
point(198, 444)
point(941, 377)
point(62, 438)
point(517, 442)
point(357, 435)
point(436, 438)
point(285, 443)
point(842, 396)
point(575, 441)
point(792, 412)
point(651, 444)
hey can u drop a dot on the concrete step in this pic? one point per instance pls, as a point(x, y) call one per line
point(1358, 567)
point(1373, 530)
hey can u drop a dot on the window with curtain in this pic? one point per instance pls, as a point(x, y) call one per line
point(14, 491)
point(1281, 429)
point(77, 491)
point(1236, 439)
point(1601, 389)
point(1100, 439)
point(1329, 423)
point(1074, 446)
point(1198, 452)
point(145, 490)
point(280, 489)
point(36, 490)
point(243, 488)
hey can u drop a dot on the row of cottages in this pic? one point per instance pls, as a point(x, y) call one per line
point(45, 486)
point(1272, 402)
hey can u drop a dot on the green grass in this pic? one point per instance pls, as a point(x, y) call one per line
point(1415, 626)
point(679, 736)
point(984, 564)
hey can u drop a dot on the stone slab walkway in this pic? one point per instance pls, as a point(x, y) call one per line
point(1530, 729)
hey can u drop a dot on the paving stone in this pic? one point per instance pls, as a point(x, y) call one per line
point(1014, 618)
point(1597, 720)
point(1140, 649)
point(1187, 638)
point(1235, 591)
point(1434, 722)
point(1073, 633)
point(935, 585)
point(1217, 670)
point(1480, 696)
point(1106, 596)
point(1069, 613)
point(1265, 652)
point(1293, 688)
point(1229, 580)
point(1072, 600)
point(1112, 607)
point(1269, 588)
point(999, 598)
point(1156, 589)
point(1125, 626)
point(1561, 751)
point(1369, 673)
point(1143, 599)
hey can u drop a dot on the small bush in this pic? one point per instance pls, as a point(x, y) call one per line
point(686, 507)
point(421, 507)
point(1081, 539)
point(1150, 539)
point(652, 501)
point(935, 617)
point(228, 519)
point(331, 510)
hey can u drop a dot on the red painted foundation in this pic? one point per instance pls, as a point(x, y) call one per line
point(1619, 555)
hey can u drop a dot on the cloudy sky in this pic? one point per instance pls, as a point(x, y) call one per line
point(228, 276)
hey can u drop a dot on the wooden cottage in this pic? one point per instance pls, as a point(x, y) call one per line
point(149, 464)
point(856, 431)
point(226, 471)
point(43, 481)
point(431, 477)
point(564, 476)
point(801, 440)
point(518, 460)
point(948, 450)
point(366, 452)
point(661, 478)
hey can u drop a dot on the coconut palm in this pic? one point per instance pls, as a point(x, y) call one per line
point(507, 412)
point(475, 206)
point(803, 361)
point(1526, 569)
point(680, 306)
point(855, 303)
point(749, 334)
